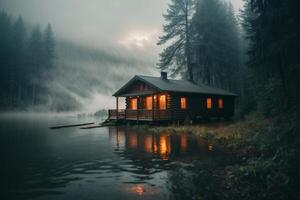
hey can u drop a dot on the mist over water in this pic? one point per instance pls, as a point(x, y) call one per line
point(87, 77)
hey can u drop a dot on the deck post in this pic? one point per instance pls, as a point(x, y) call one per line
point(152, 107)
point(137, 111)
point(117, 108)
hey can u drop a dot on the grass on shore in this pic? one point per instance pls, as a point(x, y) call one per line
point(233, 135)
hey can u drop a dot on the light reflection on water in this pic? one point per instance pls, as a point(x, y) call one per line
point(160, 145)
point(115, 162)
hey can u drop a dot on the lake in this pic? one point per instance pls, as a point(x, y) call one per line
point(103, 163)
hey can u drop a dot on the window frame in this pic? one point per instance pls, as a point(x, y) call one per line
point(150, 102)
point(131, 104)
point(183, 103)
point(220, 103)
point(165, 102)
point(208, 103)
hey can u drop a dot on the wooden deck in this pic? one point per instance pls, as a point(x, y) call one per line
point(140, 114)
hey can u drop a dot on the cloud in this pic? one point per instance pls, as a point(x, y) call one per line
point(140, 38)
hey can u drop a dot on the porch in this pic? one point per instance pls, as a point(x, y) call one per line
point(139, 114)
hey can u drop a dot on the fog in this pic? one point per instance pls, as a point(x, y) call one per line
point(100, 44)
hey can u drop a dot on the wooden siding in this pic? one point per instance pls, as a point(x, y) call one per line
point(196, 108)
point(138, 86)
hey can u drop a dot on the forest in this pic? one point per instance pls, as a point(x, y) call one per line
point(27, 57)
point(43, 72)
point(255, 54)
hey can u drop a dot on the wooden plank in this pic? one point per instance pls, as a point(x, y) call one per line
point(71, 125)
point(91, 127)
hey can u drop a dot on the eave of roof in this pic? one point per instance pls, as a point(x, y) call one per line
point(172, 85)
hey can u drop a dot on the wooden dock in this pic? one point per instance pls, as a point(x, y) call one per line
point(71, 125)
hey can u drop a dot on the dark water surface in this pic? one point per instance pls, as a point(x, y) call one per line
point(103, 163)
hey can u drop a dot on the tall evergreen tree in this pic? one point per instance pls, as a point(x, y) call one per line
point(49, 46)
point(35, 50)
point(19, 70)
point(177, 57)
point(25, 63)
point(272, 30)
point(5, 57)
point(216, 44)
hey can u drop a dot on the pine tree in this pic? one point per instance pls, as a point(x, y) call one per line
point(216, 44)
point(18, 47)
point(6, 58)
point(49, 46)
point(35, 49)
point(272, 31)
point(177, 57)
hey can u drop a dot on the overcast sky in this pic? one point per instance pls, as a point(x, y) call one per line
point(133, 24)
point(128, 27)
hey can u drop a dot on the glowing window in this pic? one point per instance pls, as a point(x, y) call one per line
point(162, 102)
point(183, 102)
point(208, 103)
point(149, 103)
point(220, 103)
point(133, 103)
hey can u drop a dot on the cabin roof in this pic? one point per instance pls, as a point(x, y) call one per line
point(172, 85)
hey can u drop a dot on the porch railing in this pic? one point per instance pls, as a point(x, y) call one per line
point(140, 114)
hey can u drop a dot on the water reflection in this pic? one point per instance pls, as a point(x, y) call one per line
point(158, 145)
point(115, 162)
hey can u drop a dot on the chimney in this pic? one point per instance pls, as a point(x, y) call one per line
point(164, 75)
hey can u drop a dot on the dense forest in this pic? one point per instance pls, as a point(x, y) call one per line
point(27, 56)
point(205, 41)
point(43, 73)
point(256, 55)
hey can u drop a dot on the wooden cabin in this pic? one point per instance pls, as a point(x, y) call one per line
point(157, 99)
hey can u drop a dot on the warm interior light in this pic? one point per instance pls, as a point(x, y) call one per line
point(133, 103)
point(138, 189)
point(155, 147)
point(164, 146)
point(208, 103)
point(148, 143)
point(183, 102)
point(220, 103)
point(162, 102)
point(132, 140)
point(149, 103)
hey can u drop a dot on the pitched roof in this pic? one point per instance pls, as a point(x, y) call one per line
point(172, 85)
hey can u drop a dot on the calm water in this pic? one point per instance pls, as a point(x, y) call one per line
point(103, 163)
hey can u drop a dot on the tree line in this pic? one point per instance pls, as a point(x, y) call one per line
point(203, 40)
point(255, 54)
point(258, 56)
point(27, 56)
point(272, 73)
